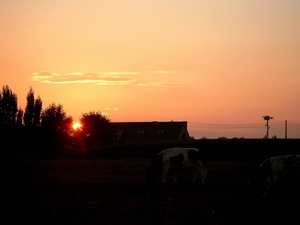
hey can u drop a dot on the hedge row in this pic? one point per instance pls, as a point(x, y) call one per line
point(215, 149)
point(39, 142)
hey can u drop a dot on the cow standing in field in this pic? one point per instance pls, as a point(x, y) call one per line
point(283, 170)
point(172, 159)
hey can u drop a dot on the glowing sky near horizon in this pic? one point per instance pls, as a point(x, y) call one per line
point(212, 63)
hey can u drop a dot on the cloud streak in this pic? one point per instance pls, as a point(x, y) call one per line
point(71, 78)
point(105, 78)
point(108, 110)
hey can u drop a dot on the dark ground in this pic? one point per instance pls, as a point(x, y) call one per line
point(115, 191)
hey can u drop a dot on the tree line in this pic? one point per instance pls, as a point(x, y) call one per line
point(50, 127)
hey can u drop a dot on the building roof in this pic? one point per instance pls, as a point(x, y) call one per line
point(135, 132)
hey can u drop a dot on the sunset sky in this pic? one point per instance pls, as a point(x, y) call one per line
point(219, 65)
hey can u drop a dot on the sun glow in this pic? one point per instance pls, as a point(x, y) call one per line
point(77, 126)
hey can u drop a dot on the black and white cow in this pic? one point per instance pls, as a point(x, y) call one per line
point(172, 159)
point(283, 171)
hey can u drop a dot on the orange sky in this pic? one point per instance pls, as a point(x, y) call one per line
point(220, 65)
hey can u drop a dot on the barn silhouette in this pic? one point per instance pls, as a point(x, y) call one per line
point(142, 132)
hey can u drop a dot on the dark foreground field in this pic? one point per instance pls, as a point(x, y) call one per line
point(112, 191)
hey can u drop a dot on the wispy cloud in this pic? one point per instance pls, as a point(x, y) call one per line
point(110, 110)
point(115, 80)
point(105, 78)
point(100, 79)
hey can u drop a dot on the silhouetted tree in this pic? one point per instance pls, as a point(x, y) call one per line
point(37, 111)
point(20, 115)
point(8, 107)
point(97, 129)
point(29, 109)
point(33, 109)
point(55, 118)
point(56, 125)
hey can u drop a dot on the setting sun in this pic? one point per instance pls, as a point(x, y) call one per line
point(77, 126)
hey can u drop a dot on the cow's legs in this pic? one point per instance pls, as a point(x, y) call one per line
point(165, 170)
point(268, 184)
point(173, 173)
point(200, 171)
point(205, 171)
point(202, 177)
point(195, 175)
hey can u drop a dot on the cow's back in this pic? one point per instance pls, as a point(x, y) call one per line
point(182, 156)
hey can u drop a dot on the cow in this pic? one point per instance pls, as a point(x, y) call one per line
point(172, 159)
point(278, 172)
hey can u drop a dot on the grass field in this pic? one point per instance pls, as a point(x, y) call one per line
point(115, 191)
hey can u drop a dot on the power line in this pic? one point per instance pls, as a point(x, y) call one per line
point(294, 124)
point(225, 126)
point(229, 124)
point(239, 126)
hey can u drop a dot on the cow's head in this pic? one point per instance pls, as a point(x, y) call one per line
point(153, 175)
point(258, 185)
point(155, 169)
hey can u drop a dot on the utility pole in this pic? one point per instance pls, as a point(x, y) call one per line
point(267, 118)
point(285, 130)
